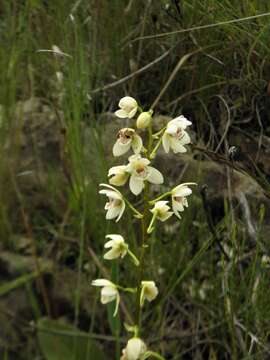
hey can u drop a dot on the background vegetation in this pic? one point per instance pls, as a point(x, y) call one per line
point(56, 132)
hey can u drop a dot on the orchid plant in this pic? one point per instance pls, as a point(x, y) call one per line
point(139, 173)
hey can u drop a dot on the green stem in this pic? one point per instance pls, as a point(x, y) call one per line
point(138, 214)
point(134, 258)
point(141, 260)
point(150, 227)
point(153, 153)
point(144, 221)
point(122, 288)
point(150, 141)
point(155, 136)
point(152, 202)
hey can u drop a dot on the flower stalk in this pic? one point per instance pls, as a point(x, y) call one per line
point(140, 174)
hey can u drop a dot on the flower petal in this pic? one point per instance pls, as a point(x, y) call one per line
point(114, 253)
point(127, 101)
point(137, 144)
point(116, 170)
point(120, 149)
point(166, 142)
point(116, 304)
point(182, 121)
point(177, 146)
point(136, 185)
point(109, 244)
point(135, 349)
point(122, 209)
point(165, 216)
point(112, 213)
point(116, 237)
point(154, 176)
point(101, 282)
point(182, 192)
point(121, 114)
point(111, 194)
point(132, 113)
point(185, 139)
point(108, 294)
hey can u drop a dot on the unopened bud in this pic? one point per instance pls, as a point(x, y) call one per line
point(144, 119)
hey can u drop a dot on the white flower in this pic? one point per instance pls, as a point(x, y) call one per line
point(144, 119)
point(179, 200)
point(128, 107)
point(126, 139)
point(149, 291)
point(140, 171)
point(134, 350)
point(109, 292)
point(175, 136)
point(119, 175)
point(116, 205)
point(118, 247)
point(161, 210)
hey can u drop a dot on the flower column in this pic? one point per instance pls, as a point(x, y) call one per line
point(139, 173)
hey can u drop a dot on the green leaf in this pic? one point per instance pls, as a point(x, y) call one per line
point(60, 341)
point(19, 281)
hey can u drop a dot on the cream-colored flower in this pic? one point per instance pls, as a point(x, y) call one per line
point(161, 210)
point(175, 136)
point(119, 175)
point(144, 119)
point(109, 292)
point(118, 247)
point(179, 200)
point(134, 350)
point(149, 291)
point(116, 205)
point(128, 107)
point(140, 171)
point(127, 138)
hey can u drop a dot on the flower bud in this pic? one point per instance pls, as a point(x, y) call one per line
point(134, 350)
point(144, 120)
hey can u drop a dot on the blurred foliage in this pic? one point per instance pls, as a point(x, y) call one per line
point(56, 124)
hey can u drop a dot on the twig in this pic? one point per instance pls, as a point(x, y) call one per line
point(253, 337)
point(178, 66)
point(201, 27)
point(130, 76)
